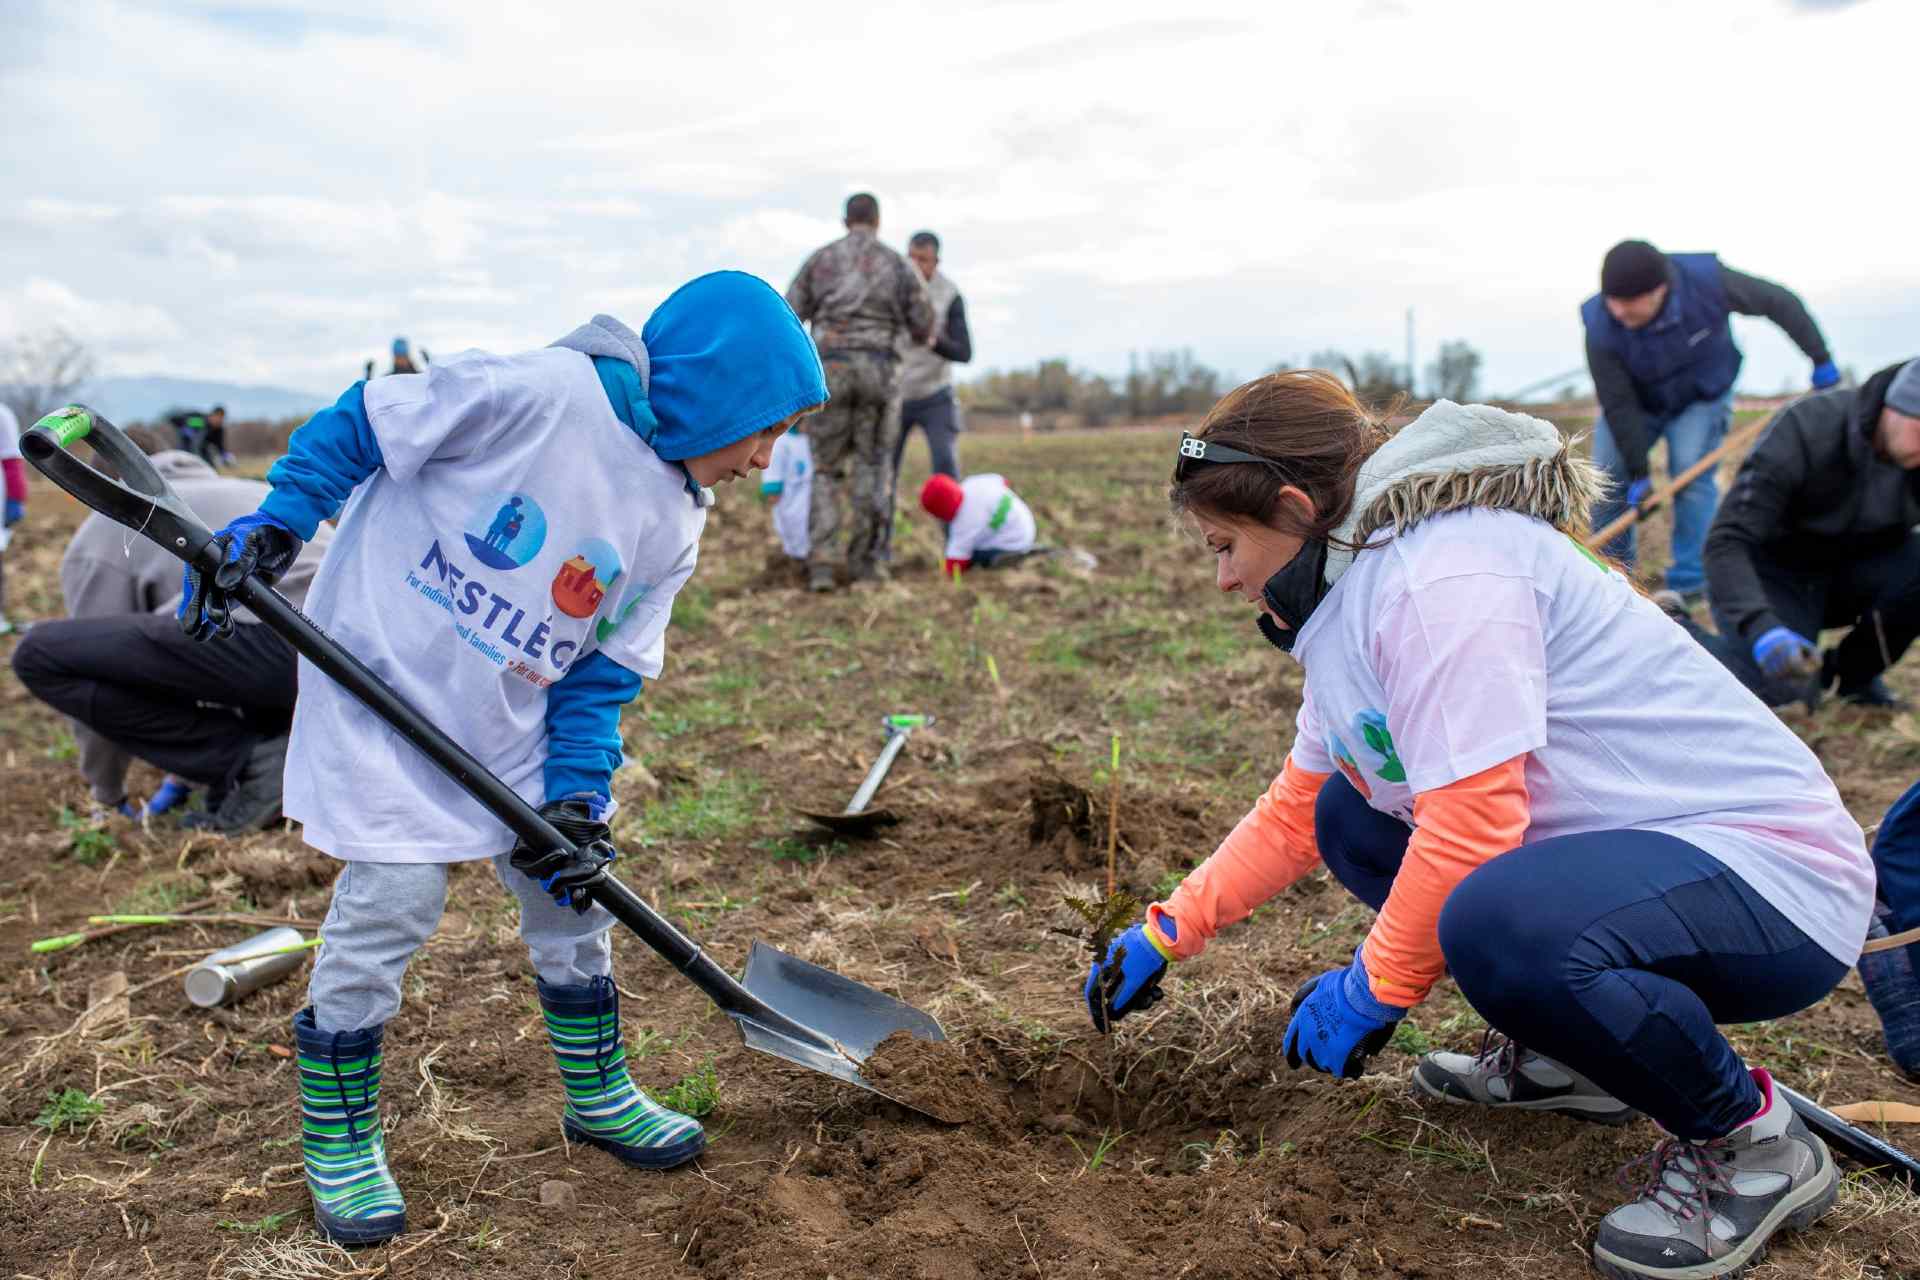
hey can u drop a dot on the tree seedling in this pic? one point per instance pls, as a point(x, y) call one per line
point(1104, 919)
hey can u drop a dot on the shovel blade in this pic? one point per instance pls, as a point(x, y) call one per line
point(851, 1013)
point(863, 823)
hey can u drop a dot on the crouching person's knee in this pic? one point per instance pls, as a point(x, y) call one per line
point(1496, 956)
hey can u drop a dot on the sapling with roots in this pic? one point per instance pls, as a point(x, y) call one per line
point(1104, 918)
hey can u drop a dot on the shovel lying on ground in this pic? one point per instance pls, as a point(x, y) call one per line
point(856, 819)
point(784, 1006)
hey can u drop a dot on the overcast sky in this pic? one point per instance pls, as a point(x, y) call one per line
point(268, 192)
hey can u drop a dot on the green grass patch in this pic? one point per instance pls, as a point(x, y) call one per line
point(259, 1226)
point(88, 843)
point(696, 1095)
point(706, 811)
point(68, 1109)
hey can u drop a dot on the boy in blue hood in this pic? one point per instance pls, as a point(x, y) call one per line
point(524, 638)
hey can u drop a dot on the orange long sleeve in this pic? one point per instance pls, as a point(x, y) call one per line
point(1270, 848)
point(1456, 828)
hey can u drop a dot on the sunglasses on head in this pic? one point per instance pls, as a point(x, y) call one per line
point(1194, 449)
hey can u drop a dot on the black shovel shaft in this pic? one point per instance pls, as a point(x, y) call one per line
point(1851, 1140)
point(143, 502)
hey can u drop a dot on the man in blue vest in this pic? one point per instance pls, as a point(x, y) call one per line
point(1661, 352)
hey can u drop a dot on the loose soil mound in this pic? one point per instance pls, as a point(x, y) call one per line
point(929, 1076)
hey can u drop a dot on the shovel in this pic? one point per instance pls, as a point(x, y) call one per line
point(856, 819)
point(784, 1006)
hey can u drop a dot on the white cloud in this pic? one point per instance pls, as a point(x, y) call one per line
point(273, 188)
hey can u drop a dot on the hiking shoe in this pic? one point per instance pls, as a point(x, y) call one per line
point(604, 1109)
point(820, 578)
point(253, 801)
point(1504, 1075)
point(1707, 1209)
point(1874, 693)
point(355, 1199)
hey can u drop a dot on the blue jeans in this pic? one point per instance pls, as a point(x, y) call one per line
point(1690, 435)
point(1613, 952)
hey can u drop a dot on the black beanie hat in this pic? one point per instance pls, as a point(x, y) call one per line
point(1631, 268)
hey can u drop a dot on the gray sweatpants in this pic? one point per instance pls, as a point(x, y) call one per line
point(383, 911)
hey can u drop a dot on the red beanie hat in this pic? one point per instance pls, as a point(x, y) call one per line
point(940, 497)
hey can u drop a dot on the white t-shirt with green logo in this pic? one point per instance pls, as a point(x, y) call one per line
point(1484, 635)
point(516, 527)
point(991, 518)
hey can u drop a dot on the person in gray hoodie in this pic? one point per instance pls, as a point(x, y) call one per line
point(136, 687)
point(926, 368)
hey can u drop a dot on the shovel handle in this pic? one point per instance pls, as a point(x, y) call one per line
point(144, 502)
point(1852, 1141)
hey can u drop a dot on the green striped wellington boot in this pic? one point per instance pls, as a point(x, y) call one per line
point(355, 1200)
point(604, 1109)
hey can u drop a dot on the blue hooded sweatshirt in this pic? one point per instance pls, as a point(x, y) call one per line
point(721, 359)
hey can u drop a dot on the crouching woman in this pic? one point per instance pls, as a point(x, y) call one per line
point(1544, 788)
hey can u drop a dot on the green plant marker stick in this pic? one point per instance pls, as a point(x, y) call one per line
point(60, 943)
point(68, 425)
point(134, 919)
point(993, 670)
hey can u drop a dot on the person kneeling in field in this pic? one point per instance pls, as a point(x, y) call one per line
point(1523, 766)
point(516, 528)
point(987, 523)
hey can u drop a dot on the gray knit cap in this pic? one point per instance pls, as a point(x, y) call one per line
point(1903, 393)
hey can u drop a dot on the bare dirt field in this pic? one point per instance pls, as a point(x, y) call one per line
point(165, 1142)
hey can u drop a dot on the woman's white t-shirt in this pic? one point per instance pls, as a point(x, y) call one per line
point(1483, 635)
point(516, 526)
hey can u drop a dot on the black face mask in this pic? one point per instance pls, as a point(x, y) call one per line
point(1294, 593)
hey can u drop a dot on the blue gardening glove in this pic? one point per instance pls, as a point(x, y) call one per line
point(1825, 375)
point(1337, 1024)
point(16, 512)
point(1129, 978)
point(568, 877)
point(1637, 491)
point(256, 545)
point(1783, 652)
point(172, 791)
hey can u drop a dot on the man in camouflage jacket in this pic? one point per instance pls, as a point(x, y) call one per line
point(859, 296)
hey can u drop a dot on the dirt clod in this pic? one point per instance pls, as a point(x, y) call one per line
point(556, 1194)
point(928, 1075)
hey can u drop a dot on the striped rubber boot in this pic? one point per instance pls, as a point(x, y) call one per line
point(604, 1109)
point(355, 1200)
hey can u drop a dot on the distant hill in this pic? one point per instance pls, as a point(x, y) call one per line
point(145, 399)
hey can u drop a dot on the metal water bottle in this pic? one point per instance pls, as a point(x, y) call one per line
point(226, 975)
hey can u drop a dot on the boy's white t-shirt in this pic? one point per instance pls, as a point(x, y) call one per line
point(991, 518)
point(791, 467)
point(1482, 635)
point(516, 526)
point(9, 434)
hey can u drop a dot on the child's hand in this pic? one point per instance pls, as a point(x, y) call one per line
point(570, 876)
point(256, 545)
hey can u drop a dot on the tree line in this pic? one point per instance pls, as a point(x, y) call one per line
point(1173, 382)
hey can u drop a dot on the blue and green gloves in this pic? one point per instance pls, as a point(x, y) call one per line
point(1638, 491)
point(1783, 652)
point(1825, 375)
point(1129, 978)
point(16, 512)
point(1337, 1024)
point(258, 545)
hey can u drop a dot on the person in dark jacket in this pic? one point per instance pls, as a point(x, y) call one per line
point(1817, 532)
point(1663, 360)
point(926, 368)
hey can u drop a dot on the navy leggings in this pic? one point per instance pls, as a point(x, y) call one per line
point(1613, 952)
